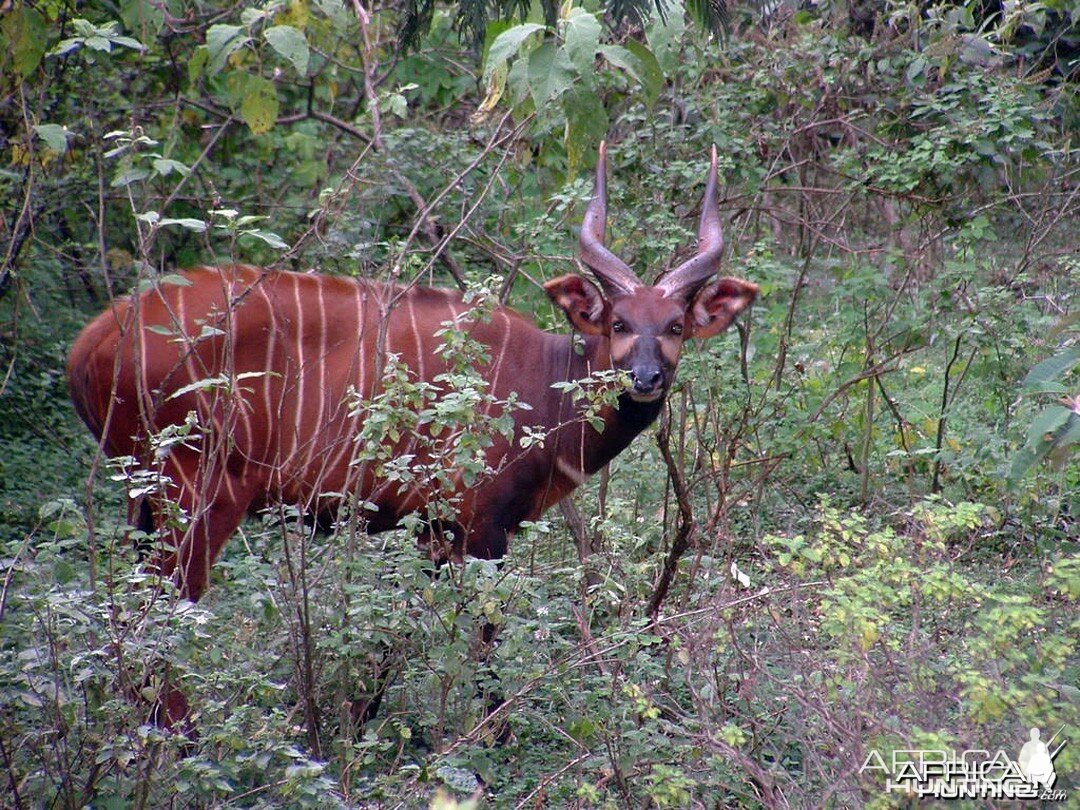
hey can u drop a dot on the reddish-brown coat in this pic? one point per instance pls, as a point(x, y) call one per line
point(287, 436)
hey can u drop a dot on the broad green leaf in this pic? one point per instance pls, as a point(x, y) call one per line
point(916, 70)
point(506, 45)
point(1052, 429)
point(54, 135)
point(26, 35)
point(129, 176)
point(190, 224)
point(197, 64)
point(334, 10)
point(98, 44)
point(259, 108)
point(665, 32)
point(550, 73)
point(269, 237)
point(652, 77)
point(495, 27)
point(518, 80)
point(166, 166)
point(586, 125)
point(85, 28)
point(290, 44)
point(253, 16)
point(220, 381)
point(621, 57)
point(175, 279)
point(221, 41)
point(66, 46)
point(128, 42)
point(1052, 369)
point(1071, 433)
point(581, 33)
point(144, 17)
point(1048, 424)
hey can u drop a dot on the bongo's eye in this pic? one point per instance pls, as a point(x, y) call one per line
point(676, 329)
point(618, 326)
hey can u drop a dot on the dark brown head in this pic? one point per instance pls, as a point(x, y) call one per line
point(646, 326)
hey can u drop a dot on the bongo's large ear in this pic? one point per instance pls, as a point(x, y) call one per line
point(582, 302)
point(717, 304)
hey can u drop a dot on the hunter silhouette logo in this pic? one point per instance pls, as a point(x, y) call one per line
point(1036, 760)
point(972, 774)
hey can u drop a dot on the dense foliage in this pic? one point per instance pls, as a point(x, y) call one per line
point(854, 529)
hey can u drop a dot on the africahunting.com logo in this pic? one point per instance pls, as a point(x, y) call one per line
point(972, 774)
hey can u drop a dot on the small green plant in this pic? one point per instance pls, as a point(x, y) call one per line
point(1055, 430)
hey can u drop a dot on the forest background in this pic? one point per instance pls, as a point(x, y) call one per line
point(854, 528)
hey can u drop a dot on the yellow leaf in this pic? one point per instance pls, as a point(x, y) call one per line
point(19, 155)
point(298, 15)
point(495, 88)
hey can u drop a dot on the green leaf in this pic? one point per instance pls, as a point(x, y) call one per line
point(518, 80)
point(916, 70)
point(586, 125)
point(166, 166)
point(175, 279)
point(197, 64)
point(145, 17)
point(652, 77)
point(1052, 429)
point(221, 42)
point(581, 33)
point(259, 108)
point(1052, 369)
point(191, 224)
point(506, 45)
point(494, 29)
point(290, 44)
point(129, 176)
point(24, 30)
point(269, 237)
point(66, 46)
point(221, 381)
point(54, 135)
point(128, 42)
point(640, 63)
point(550, 73)
point(98, 44)
point(665, 33)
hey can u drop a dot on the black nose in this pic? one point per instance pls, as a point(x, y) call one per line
point(647, 379)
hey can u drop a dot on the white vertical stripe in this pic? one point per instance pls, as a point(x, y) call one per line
point(228, 484)
point(569, 471)
point(301, 371)
point(313, 438)
point(185, 482)
point(241, 407)
point(498, 361)
point(187, 344)
point(357, 363)
point(268, 376)
point(410, 300)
